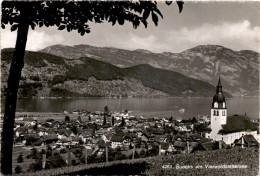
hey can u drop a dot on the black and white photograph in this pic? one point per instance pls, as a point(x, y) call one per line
point(133, 87)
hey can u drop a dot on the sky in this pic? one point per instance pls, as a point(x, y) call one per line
point(234, 25)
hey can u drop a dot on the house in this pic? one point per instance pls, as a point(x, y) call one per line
point(180, 145)
point(117, 141)
point(39, 142)
point(127, 141)
point(63, 142)
point(147, 137)
point(50, 138)
point(167, 148)
point(246, 141)
point(102, 146)
point(164, 147)
point(203, 119)
point(30, 138)
point(208, 144)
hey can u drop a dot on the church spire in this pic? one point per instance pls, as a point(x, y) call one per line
point(219, 81)
point(219, 98)
point(219, 86)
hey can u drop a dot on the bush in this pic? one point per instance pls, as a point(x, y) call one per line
point(18, 169)
point(74, 162)
point(33, 152)
point(58, 79)
point(63, 151)
point(35, 78)
point(35, 166)
point(20, 158)
point(67, 119)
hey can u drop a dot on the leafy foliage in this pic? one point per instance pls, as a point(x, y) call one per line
point(67, 119)
point(18, 169)
point(58, 79)
point(75, 15)
point(20, 158)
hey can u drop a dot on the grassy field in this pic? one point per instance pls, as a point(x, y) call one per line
point(159, 115)
point(208, 163)
point(26, 162)
point(174, 165)
point(43, 116)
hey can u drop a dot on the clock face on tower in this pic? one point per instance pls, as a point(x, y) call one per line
point(215, 105)
point(224, 105)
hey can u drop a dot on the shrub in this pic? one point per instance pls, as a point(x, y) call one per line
point(58, 79)
point(18, 169)
point(34, 152)
point(67, 119)
point(35, 78)
point(74, 162)
point(35, 166)
point(20, 158)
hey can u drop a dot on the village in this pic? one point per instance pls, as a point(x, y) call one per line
point(93, 137)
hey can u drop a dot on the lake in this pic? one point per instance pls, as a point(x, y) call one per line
point(192, 106)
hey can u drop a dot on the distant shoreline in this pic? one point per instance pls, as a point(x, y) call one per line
point(137, 97)
point(105, 97)
point(60, 116)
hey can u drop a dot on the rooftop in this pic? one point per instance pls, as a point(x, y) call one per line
point(237, 123)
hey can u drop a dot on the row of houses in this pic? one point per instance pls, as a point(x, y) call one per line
point(169, 136)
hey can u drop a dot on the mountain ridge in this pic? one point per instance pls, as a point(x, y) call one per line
point(239, 70)
point(47, 75)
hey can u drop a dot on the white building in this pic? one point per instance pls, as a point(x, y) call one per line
point(224, 128)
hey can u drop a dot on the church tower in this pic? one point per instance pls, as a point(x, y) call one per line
point(218, 110)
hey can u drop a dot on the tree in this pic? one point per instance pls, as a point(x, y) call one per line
point(164, 125)
point(34, 152)
point(70, 15)
point(74, 129)
point(123, 122)
point(170, 119)
point(30, 140)
point(105, 120)
point(105, 115)
point(94, 129)
point(67, 119)
point(20, 158)
point(81, 142)
point(49, 151)
point(113, 120)
point(194, 120)
point(105, 109)
point(35, 127)
point(18, 169)
point(79, 119)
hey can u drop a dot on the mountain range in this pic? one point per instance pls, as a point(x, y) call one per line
point(47, 75)
point(239, 70)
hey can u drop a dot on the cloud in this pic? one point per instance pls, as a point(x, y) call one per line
point(36, 39)
point(237, 36)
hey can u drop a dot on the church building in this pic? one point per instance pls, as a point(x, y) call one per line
point(227, 128)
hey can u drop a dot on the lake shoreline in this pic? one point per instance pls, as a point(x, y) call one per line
point(190, 107)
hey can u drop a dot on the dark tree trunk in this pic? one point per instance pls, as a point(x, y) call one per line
point(11, 98)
